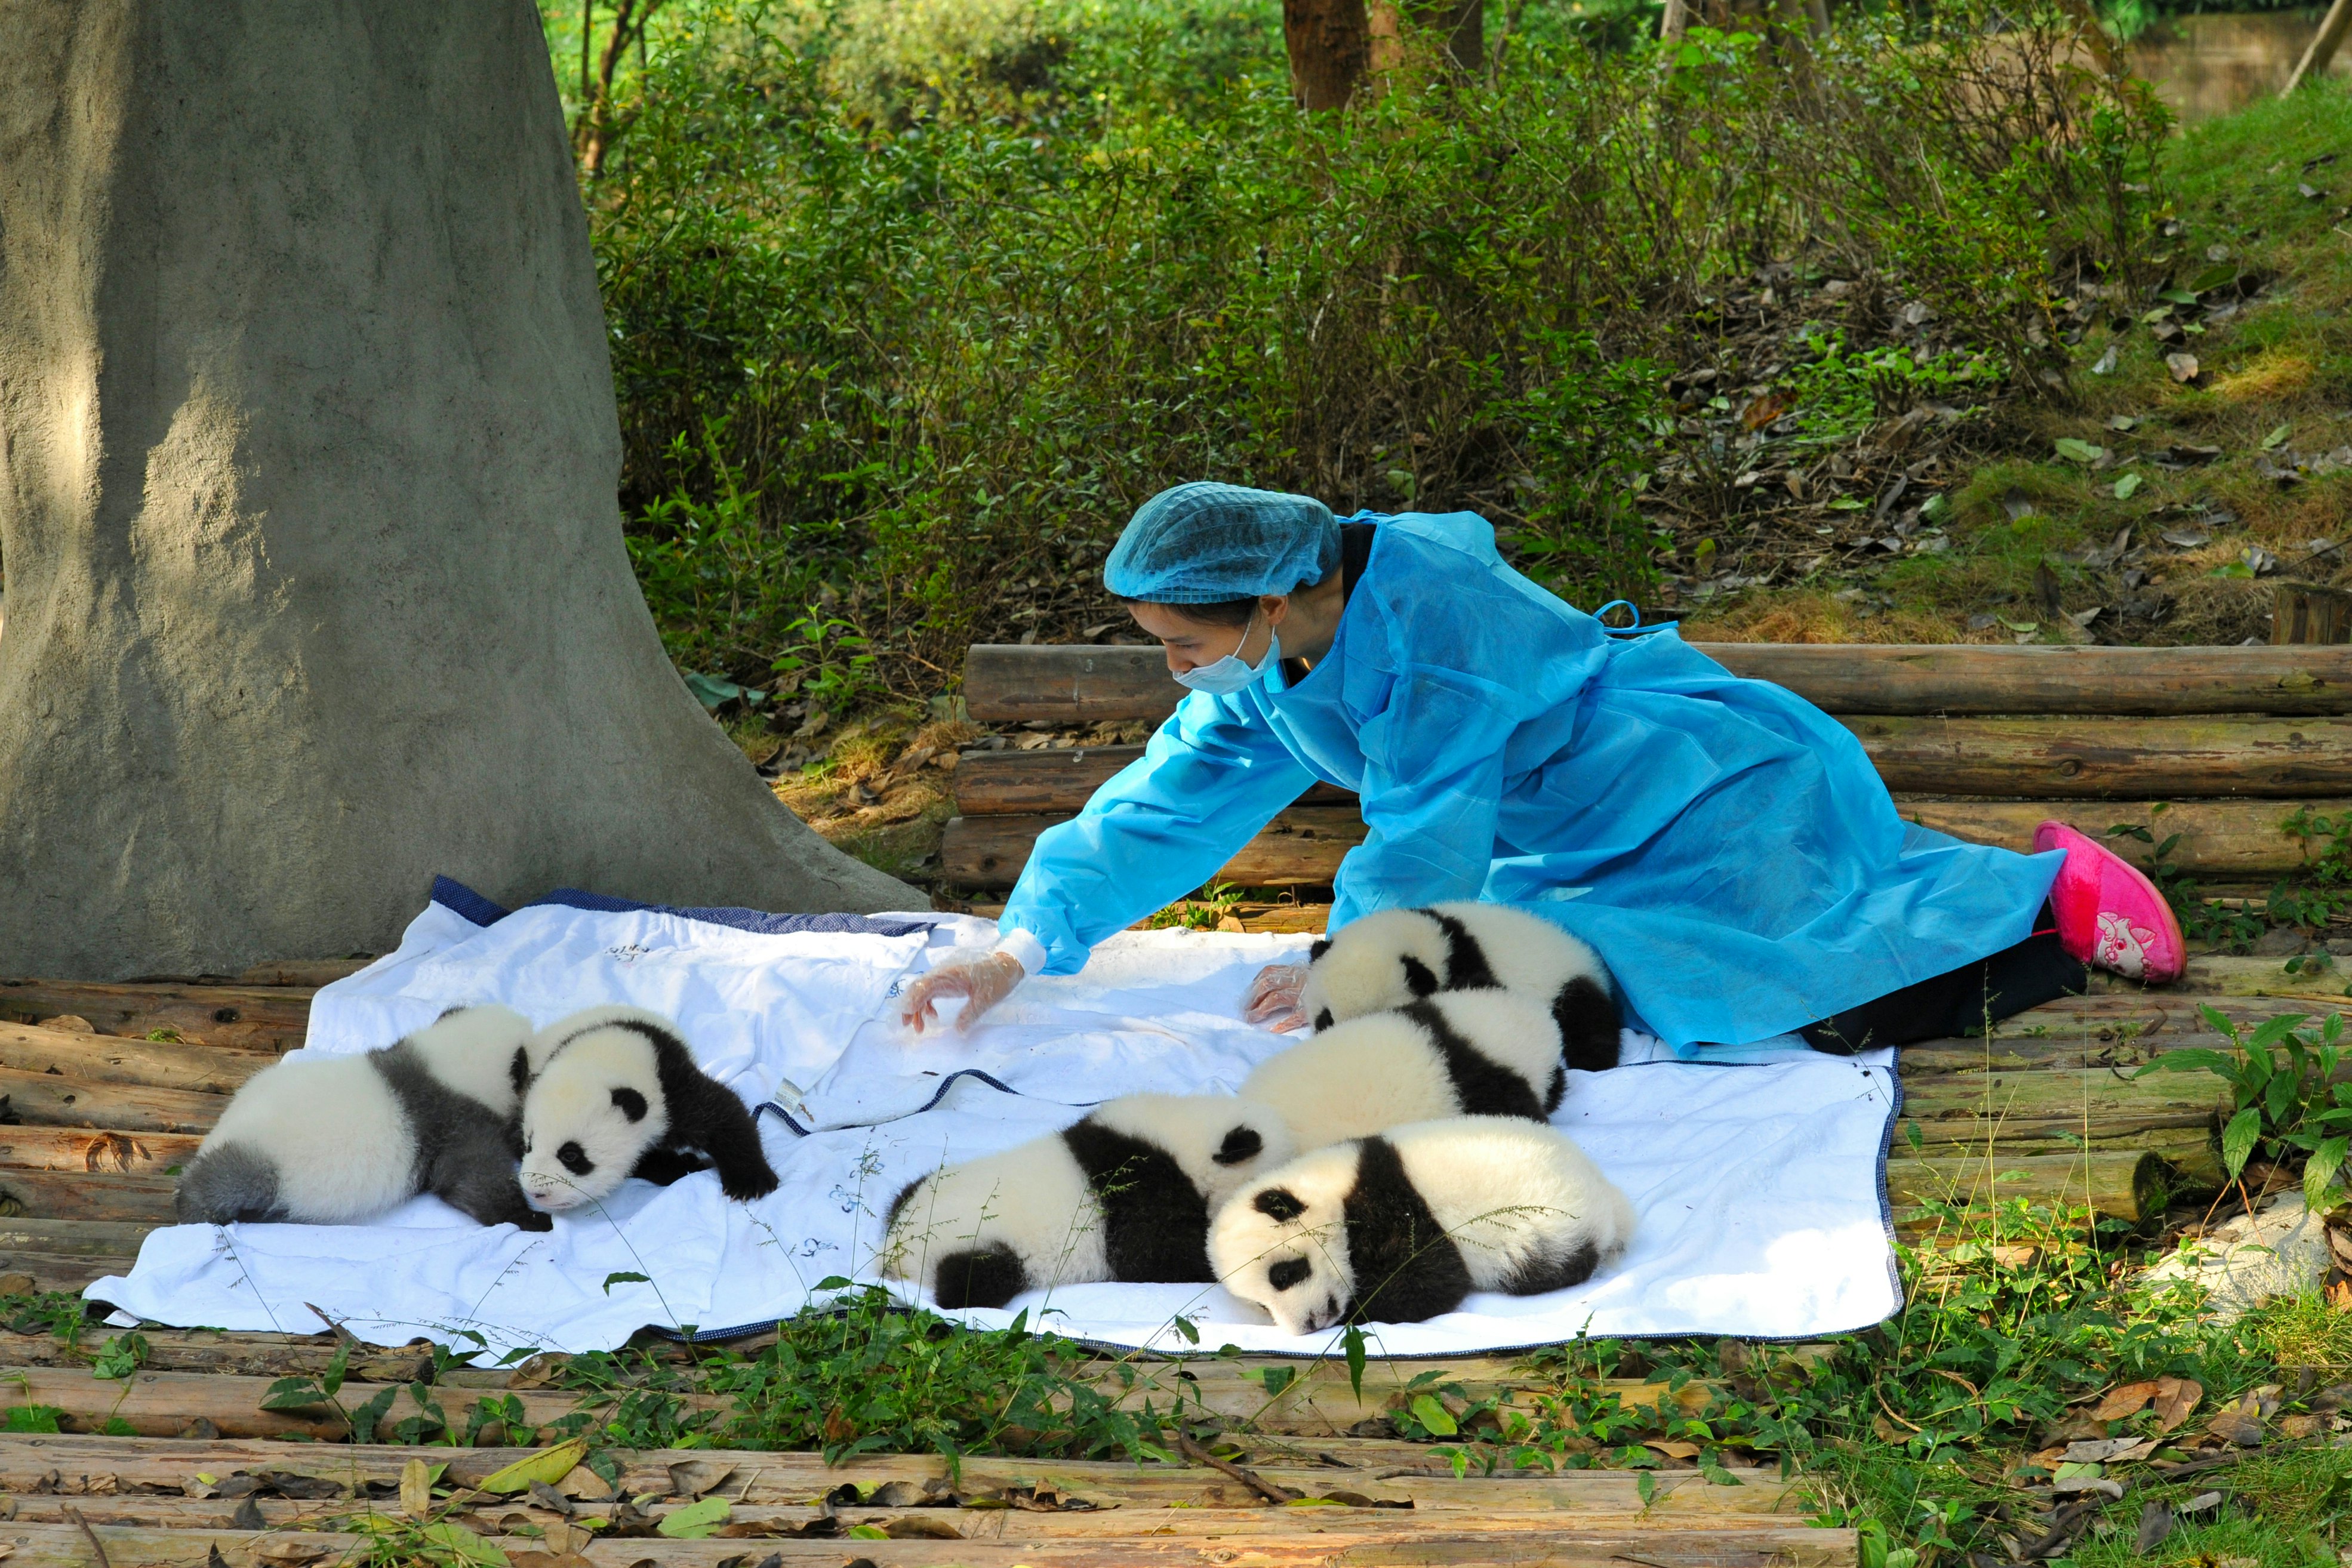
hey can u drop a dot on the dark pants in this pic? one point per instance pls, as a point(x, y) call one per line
point(1961, 1002)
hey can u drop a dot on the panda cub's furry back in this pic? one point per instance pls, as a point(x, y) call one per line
point(1125, 1194)
point(618, 1094)
point(1458, 1053)
point(1391, 957)
point(335, 1140)
point(1401, 1228)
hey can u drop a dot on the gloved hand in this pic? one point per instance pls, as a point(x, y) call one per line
point(984, 980)
point(1273, 999)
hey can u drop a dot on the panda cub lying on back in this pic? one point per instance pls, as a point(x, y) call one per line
point(335, 1140)
point(1401, 1228)
point(1125, 1194)
point(1391, 957)
point(618, 1094)
point(1458, 1053)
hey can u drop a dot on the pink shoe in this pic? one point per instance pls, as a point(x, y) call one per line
point(2108, 912)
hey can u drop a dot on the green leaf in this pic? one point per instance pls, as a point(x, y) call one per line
point(2319, 1173)
point(469, 1549)
point(696, 1520)
point(2231, 568)
point(1848, 503)
point(2178, 296)
point(293, 1393)
point(333, 1381)
point(2074, 451)
point(868, 1532)
point(2127, 486)
point(549, 1464)
point(1352, 1339)
point(714, 693)
point(1434, 1416)
point(1646, 1487)
point(626, 1279)
point(368, 1416)
point(2277, 438)
point(1276, 1379)
point(32, 1419)
point(2238, 1139)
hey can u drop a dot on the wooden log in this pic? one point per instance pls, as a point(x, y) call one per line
point(301, 974)
point(73, 1237)
point(162, 1404)
point(116, 1059)
point(2074, 1050)
point(2121, 1184)
point(1306, 844)
point(1303, 847)
point(51, 1100)
point(69, 1274)
point(2304, 612)
point(142, 1198)
point(43, 1545)
point(74, 1466)
point(211, 1351)
point(87, 1149)
point(1074, 683)
point(1060, 783)
point(2103, 1109)
point(2079, 756)
point(1340, 1528)
point(2243, 838)
point(257, 1018)
point(2068, 758)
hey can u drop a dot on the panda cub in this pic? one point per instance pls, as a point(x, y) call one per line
point(1458, 1053)
point(1388, 958)
point(338, 1139)
point(617, 1094)
point(1125, 1194)
point(1401, 1228)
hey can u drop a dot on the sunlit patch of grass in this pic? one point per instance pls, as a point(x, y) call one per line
point(2304, 1331)
point(1789, 615)
point(2275, 372)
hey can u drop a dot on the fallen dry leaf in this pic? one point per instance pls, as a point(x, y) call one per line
point(2297, 1426)
point(415, 1490)
point(1673, 1448)
point(288, 1553)
point(2175, 1399)
point(2182, 366)
point(1766, 409)
point(695, 1477)
point(2125, 1401)
point(583, 1483)
point(2237, 1429)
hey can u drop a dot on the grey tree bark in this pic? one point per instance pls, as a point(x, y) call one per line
point(307, 460)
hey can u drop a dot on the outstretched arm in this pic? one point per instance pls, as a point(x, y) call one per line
point(726, 1130)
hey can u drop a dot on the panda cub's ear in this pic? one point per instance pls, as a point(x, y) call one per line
point(1322, 946)
point(632, 1103)
point(1419, 977)
point(519, 1071)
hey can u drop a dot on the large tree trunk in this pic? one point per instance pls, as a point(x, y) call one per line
point(1330, 47)
point(307, 460)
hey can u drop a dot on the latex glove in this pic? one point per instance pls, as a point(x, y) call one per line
point(1273, 999)
point(983, 981)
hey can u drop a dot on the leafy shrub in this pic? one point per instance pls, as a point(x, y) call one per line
point(912, 347)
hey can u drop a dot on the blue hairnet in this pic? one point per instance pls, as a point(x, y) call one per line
point(1204, 543)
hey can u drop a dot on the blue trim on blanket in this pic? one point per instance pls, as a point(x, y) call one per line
point(460, 899)
point(457, 897)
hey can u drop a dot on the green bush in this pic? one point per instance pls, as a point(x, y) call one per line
point(909, 316)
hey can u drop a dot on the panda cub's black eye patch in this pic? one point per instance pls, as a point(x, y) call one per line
point(1241, 1144)
point(575, 1159)
point(1279, 1203)
point(1288, 1272)
point(632, 1103)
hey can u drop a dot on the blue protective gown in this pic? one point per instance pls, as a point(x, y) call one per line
point(1725, 846)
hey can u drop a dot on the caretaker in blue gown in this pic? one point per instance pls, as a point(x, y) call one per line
point(1726, 848)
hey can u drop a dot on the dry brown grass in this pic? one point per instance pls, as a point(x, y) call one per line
point(2274, 373)
point(1810, 615)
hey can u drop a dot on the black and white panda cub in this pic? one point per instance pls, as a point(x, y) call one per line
point(1458, 1053)
point(1401, 1228)
point(339, 1139)
point(1125, 1194)
point(617, 1094)
point(1392, 956)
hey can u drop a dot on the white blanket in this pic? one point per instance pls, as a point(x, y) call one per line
point(1759, 1186)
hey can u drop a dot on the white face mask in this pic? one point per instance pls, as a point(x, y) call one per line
point(1224, 677)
